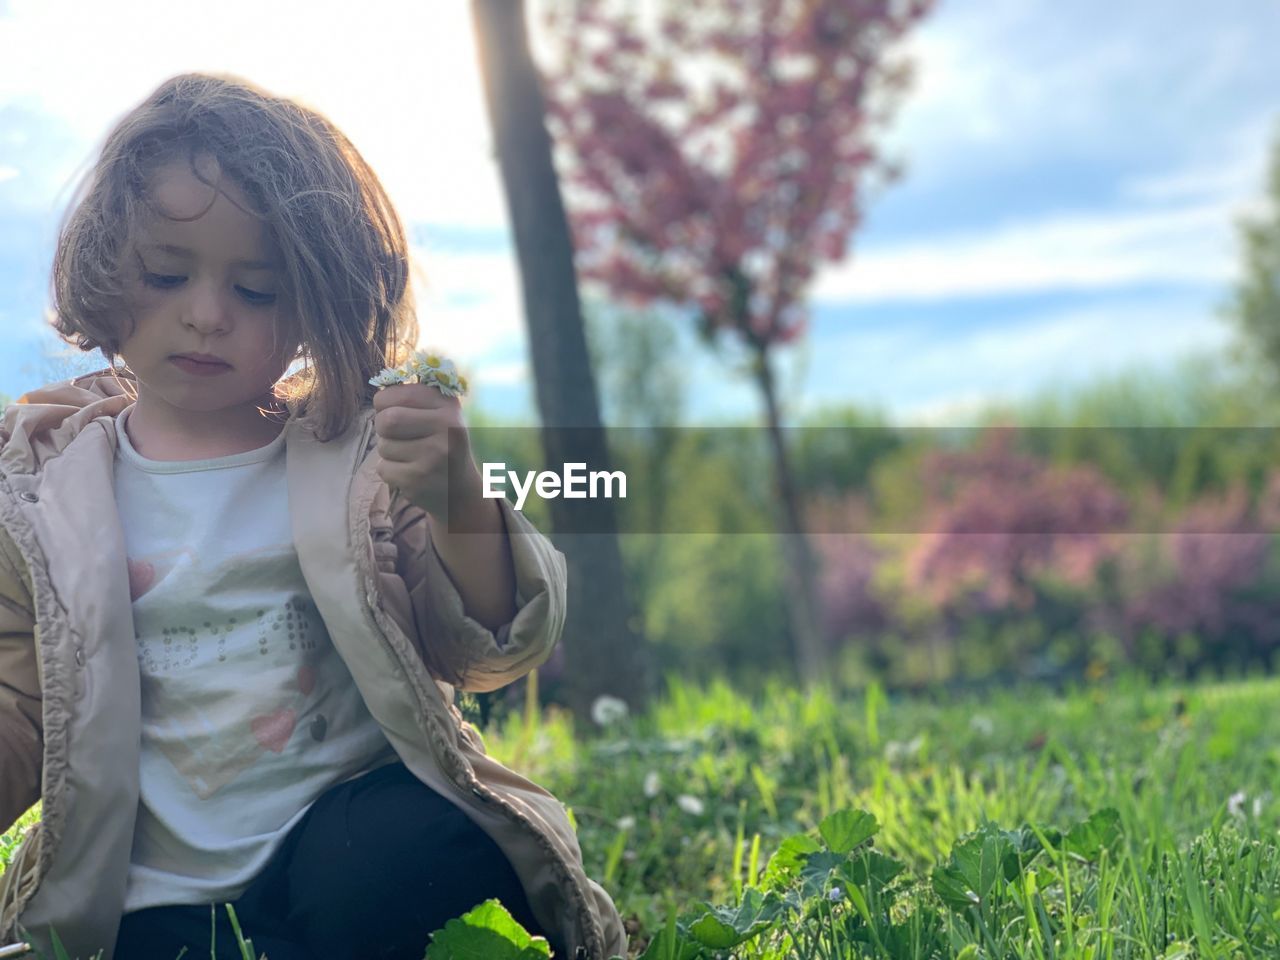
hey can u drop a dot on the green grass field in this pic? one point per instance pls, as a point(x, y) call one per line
point(1119, 821)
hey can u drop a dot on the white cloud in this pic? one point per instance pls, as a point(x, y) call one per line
point(917, 373)
point(1005, 83)
point(1174, 226)
point(1192, 244)
point(959, 409)
point(1229, 168)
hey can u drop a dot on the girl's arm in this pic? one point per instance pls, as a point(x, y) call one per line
point(21, 722)
point(469, 654)
point(479, 561)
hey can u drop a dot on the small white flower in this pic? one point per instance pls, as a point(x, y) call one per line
point(626, 823)
point(982, 723)
point(607, 710)
point(835, 894)
point(1235, 803)
point(651, 784)
point(690, 805)
point(424, 362)
point(895, 750)
point(425, 367)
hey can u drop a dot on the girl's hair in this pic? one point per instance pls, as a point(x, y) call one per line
point(346, 262)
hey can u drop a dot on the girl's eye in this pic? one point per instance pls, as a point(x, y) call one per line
point(161, 281)
point(166, 282)
point(257, 299)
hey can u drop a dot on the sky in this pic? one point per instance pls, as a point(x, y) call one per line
point(1073, 173)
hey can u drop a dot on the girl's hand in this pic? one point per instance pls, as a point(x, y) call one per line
point(424, 447)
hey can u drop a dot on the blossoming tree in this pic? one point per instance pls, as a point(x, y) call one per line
point(712, 158)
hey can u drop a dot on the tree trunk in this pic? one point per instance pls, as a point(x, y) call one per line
point(801, 571)
point(603, 649)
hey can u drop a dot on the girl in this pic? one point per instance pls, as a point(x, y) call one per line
point(231, 621)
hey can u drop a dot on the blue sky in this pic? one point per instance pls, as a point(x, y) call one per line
point(1072, 176)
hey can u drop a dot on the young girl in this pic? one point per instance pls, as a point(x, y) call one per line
point(232, 619)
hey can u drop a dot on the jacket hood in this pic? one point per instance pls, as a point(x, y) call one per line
point(39, 425)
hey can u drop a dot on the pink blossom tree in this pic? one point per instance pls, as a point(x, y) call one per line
point(712, 160)
point(1215, 557)
point(998, 519)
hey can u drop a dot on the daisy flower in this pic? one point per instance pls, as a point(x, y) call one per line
point(425, 367)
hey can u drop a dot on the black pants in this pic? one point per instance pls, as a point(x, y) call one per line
point(374, 867)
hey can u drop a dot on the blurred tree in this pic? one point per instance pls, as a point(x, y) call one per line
point(838, 448)
point(1169, 433)
point(600, 633)
point(627, 349)
point(1255, 305)
point(1214, 593)
point(724, 200)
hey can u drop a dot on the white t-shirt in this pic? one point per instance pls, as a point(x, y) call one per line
point(248, 712)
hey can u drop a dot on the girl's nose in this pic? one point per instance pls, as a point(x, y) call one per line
point(207, 309)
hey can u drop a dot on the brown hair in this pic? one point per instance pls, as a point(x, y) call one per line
point(346, 262)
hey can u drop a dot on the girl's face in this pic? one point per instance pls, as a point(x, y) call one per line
point(207, 285)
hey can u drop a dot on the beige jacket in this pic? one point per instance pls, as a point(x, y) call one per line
point(69, 683)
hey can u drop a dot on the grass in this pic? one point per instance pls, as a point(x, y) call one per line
point(1120, 820)
point(1191, 774)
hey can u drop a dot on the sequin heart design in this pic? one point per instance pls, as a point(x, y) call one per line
point(142, 576)
point(306, 679)
point(274, 730)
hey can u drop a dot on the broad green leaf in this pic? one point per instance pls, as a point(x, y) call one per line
point(977, 862)
point(871, 868)
point(845, 829)
point(725, 927)
point(486, 932)
point(816, 873)
point(1089, 837)
point(953, 889)
point(789, 860)
point(670, 944)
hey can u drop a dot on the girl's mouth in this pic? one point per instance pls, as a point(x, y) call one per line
point(198, 368)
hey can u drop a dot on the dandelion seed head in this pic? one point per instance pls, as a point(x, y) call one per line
point(690, 804)
point(1235, 803)
point(607, 710)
